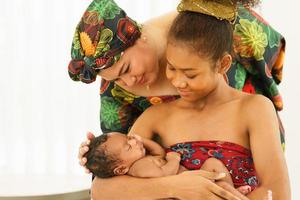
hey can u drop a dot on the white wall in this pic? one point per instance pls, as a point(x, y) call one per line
point(44, 115)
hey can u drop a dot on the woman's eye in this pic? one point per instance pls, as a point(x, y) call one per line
point(191, 77)
point(171, 68)
point(127, 69)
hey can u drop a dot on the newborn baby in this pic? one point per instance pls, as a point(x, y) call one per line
point(118, 154)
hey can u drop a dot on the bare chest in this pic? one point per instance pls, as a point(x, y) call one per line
point(223, 125)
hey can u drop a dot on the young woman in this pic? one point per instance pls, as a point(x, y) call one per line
point(136, 80)
point(211, 121)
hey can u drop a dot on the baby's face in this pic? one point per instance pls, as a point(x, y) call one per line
point(126, 148)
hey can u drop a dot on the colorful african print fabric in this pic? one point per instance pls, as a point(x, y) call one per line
point(236, 158)
point(120, 108)
point(259, 51)
point(256, 69)
point(103, 32)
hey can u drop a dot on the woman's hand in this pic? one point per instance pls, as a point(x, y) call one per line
point(199, 185)
point(84, 147)
point(231, 189)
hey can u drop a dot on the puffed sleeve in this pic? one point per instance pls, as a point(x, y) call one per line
point(258, 58)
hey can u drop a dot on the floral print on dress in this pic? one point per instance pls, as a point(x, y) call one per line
point(155, 100)
point(259, 49)
point(185, 150)
point(248, 87)
point(240, 77)
point(249, 39)
point(122, 95)
point(110, 113)
point(236, 158)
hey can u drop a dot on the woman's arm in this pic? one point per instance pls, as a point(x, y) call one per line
point(265, 145)
point(190, 185)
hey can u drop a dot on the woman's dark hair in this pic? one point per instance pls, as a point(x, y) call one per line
point(207, 35)
point(99, 162)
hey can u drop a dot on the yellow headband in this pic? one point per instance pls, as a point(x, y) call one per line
point(221, 9)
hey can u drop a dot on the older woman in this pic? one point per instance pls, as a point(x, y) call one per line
point(131, 61)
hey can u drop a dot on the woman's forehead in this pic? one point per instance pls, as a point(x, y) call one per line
point(115, 141)
point(181, 57)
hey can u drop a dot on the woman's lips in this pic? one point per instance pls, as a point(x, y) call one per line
point(142, 80)
point(183, 92)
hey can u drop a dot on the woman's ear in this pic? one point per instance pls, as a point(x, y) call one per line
point(225, 63)
point(121, 170)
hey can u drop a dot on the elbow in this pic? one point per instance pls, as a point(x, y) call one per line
point(277, 191)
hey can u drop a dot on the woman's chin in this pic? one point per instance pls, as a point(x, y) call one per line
point(149, 80)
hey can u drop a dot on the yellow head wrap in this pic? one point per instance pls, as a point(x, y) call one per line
point(221, 9)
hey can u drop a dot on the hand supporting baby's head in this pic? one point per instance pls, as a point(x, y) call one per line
point(112, 154)
point(100, 162)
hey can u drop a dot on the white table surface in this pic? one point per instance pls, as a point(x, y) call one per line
point(33, 185)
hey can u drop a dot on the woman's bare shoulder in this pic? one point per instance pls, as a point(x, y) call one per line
point(256, 102)
point(256, 106)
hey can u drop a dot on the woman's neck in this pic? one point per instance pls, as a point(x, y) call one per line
point(222, 93)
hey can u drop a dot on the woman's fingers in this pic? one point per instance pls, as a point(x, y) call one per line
point(87, 171)
point(211, 175)
point(82, 151)
point(90, 135)
point(228, 187)
point(83, 148)
point(222, 193)
point(83, 161)
point(206, 174)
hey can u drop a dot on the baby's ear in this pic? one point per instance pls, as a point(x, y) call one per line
point(121, 170)
point(225, 63)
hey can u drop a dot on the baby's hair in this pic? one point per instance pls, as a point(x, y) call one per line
point(205, 34)
point(99, 162)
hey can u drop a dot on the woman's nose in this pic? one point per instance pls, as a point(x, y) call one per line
point(128, 80)
point(179, 82)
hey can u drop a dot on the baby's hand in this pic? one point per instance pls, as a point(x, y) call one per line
point(173, 156)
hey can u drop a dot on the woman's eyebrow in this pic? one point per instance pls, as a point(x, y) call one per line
point(184, 69)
